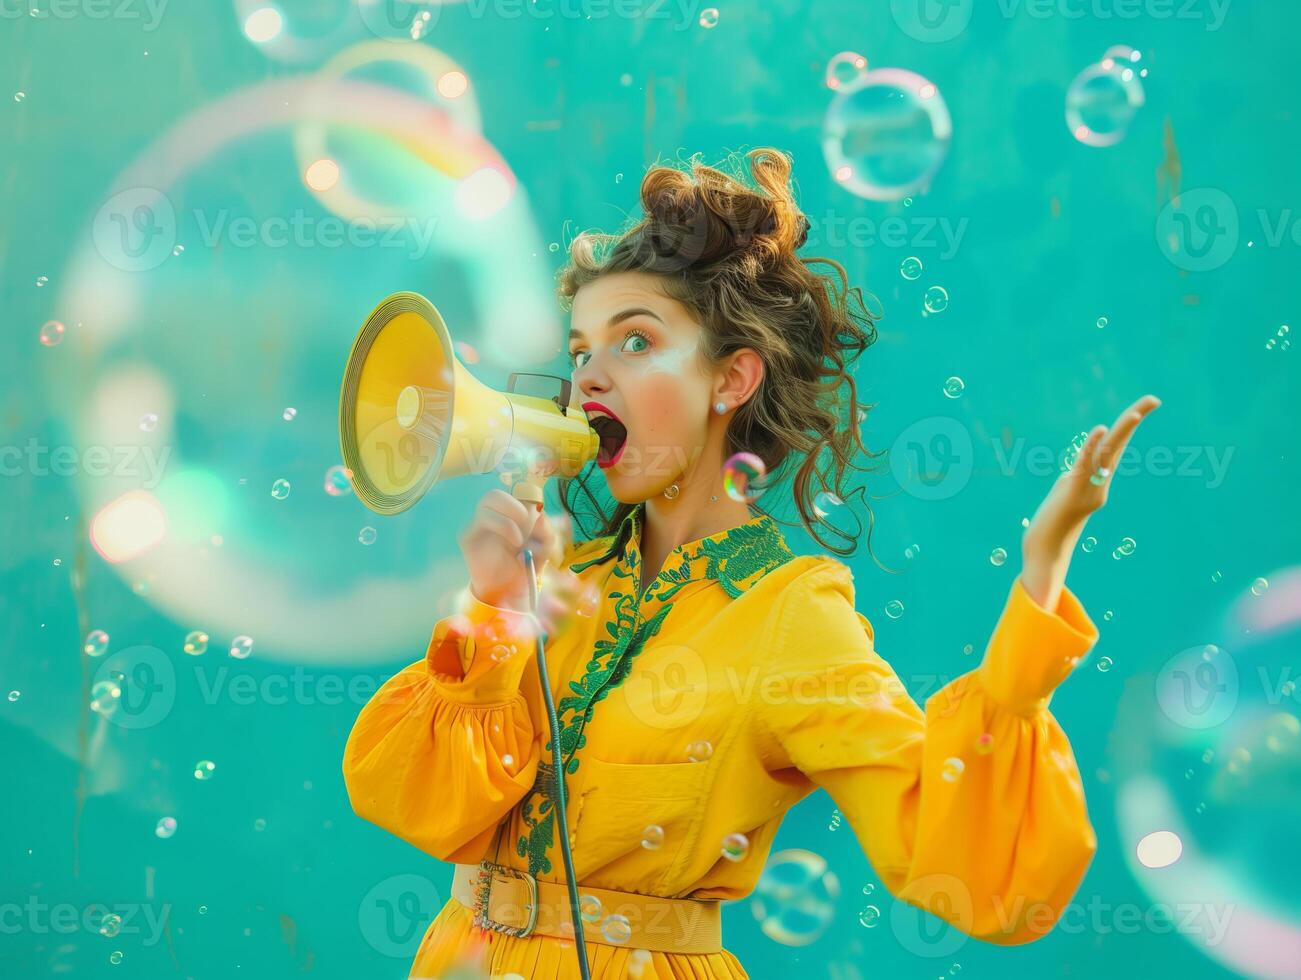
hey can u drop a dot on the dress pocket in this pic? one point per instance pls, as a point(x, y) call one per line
point(623, 802)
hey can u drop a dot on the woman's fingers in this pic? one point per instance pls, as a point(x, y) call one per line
point(1113, 445)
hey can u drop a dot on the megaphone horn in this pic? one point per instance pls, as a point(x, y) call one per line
point(410, 414)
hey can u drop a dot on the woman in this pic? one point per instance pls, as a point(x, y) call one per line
point(706, 678)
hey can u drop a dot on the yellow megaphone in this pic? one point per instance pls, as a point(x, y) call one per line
point(410, 414)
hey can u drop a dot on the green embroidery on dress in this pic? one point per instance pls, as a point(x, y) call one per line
point(736, 559)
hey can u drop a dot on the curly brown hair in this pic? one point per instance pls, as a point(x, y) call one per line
point(724, 247)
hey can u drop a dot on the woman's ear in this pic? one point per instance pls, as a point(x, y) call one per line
point(744, 373)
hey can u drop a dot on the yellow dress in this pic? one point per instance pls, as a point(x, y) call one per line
point(972, 807)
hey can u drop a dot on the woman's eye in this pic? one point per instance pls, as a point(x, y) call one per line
point(632, 335)
point(637, 336)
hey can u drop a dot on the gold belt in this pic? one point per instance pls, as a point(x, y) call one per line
point(514, 902)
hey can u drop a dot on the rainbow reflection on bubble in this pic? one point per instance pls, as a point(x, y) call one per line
point(741, 474)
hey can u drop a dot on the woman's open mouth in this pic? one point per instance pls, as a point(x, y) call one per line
point(612, 433)
point(614, 437)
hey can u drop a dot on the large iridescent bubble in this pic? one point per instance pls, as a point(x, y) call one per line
point(886, 133)
point(218, 284)
point(1207, 757)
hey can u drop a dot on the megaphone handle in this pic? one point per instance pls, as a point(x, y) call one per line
point(561, 795)
point(527, 492)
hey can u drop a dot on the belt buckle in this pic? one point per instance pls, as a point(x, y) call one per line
point(481, 917)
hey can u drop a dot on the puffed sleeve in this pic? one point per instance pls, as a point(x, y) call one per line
point(449, 744)
point(972, 809)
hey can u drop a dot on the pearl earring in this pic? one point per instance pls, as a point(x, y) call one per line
point(720, 407)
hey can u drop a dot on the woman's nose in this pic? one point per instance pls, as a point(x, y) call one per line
point(591, 376)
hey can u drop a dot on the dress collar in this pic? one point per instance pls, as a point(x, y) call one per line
point(735, 558)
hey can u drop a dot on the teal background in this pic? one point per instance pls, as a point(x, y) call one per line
point(1056, 235)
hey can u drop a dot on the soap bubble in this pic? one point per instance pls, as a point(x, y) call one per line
point(590, 908)
point(795, 897)
point(51, 333)
point(338, 481)
point(616, 929)
point(843, 68)
point(709, 18)
point(741, 474)
point(105, 697)
point(165, 828)
point(241, 647)
point(700, 751)
point(735, 846)
point(96, 643)
point(886, 134)
point(936, 299)
point(196, 643)
point(280, 489)
point(203, 769)
point(824, 501)
point(1103, 99)
point(954, 387)
point(911, 268)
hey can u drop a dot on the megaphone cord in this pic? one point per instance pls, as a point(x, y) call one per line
point(561, 821)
